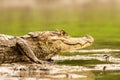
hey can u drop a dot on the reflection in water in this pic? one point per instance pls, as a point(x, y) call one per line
point(99, 57)
point(23, 71)
point(26, 71)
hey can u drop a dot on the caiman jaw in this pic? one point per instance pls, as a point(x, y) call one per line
point(88, 40)
point(81, 41)
point(76, 43)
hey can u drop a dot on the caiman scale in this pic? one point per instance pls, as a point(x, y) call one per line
point(39, 47)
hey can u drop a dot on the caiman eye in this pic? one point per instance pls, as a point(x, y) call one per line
point(63, 33)
point(60, 33)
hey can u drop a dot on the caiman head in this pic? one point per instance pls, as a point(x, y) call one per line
point(60, 40)
point(67, 43)
point(49, 43)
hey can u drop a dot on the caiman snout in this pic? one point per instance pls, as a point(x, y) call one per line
point(81, 41)
point(89, 38)
point(68, 43)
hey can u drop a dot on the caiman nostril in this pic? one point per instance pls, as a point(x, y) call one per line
point(89, 38)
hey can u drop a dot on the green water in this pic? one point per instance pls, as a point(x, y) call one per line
point(109, 75)
point(91, 63)
point(100, 21)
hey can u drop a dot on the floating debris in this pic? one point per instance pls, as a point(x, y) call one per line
point(99, 57)
point(97, 50)
point(16, 71)
point(70, 76)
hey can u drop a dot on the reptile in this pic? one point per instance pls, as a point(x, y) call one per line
point(39, 47)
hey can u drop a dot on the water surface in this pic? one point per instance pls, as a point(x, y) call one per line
point(75, 66)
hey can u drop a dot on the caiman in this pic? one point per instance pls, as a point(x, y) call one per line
point(39, 47)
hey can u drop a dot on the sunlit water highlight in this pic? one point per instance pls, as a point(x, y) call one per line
point(16, 71)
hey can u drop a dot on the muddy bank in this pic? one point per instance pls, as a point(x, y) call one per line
point(27, 71)
point(19, 71)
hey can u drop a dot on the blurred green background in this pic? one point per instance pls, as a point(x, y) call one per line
point(99, 18)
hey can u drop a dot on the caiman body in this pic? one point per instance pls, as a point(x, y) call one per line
point(39, 46)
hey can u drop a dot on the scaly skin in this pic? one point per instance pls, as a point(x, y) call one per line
point(39, 46)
